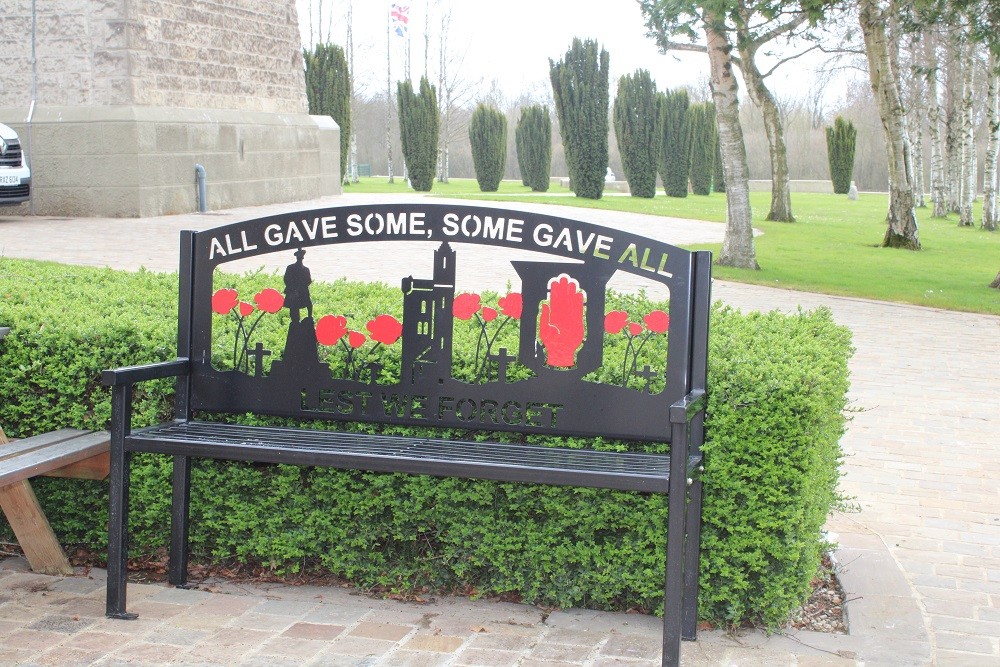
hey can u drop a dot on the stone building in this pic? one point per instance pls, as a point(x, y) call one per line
point(129, 95)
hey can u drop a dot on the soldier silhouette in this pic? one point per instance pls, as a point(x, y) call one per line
point(297, 281)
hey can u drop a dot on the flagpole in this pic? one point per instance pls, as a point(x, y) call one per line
point(388, 95)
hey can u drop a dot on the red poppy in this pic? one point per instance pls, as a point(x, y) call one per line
point(657, 321)
point(355, 339)
point(385, 329)
point(489, 314)
point(245, 308)
point(269, 300)
point(634, 328)
point(465, 306)
point(330, 329)
point(224, 300)
point(615, 321)
point(511, 305)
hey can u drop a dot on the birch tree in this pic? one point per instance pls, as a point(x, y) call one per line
point(918, 104)
point(990, 209)
point(668, 18)
point(883, 72)
point(749, 40)
point(934, 120)
point(968, 154)
point(953, 120)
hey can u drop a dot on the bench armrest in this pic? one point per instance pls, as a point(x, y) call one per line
point(133, 374)
point(686, 408)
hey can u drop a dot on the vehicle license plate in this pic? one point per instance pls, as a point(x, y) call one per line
point(10, 179)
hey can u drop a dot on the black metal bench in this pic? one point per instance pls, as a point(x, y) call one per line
point(545, 386)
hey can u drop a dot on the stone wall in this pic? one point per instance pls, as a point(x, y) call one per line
point(225, 54)
point(131, 94)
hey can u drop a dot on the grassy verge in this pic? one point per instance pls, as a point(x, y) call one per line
point(833, 248)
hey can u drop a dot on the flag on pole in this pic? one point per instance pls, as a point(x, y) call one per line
point(400, 15)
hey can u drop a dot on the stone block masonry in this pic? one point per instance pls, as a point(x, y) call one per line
point(131, 94)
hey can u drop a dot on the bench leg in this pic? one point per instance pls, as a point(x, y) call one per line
point(692, 564)
point(32, 529)
point(180, 503)
point(673, 588)
point(118, 493)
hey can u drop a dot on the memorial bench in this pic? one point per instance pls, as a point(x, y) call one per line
point(545, 386)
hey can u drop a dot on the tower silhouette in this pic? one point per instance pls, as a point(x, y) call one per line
point(427, 320)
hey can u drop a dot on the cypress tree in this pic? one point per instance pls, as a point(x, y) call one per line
point(488, 136)
point(701, 123)
point(419, 123)
point(328, 90)
point(519, 151)
point(675, 147)
point(635, 128)
point(580, 89)
point(533, 137)
point(840, 143)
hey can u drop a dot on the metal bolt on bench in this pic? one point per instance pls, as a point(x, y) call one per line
point(545, 386)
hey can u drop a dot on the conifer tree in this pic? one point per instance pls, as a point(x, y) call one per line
point(580, 89)
point(419, 123)
point(840, 142)
point(488, 136)
point(701, 123)
point(635, 128)
point(328, 90)
point(718, 175)
point(533, 137)
point(675, 138)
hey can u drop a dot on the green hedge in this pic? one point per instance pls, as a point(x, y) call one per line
point(776, 413)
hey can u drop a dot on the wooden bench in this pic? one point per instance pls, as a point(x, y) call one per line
point(544, 386)
point(64, 453)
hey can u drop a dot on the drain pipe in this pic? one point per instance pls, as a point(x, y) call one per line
point(31, 109)
point(199, 177)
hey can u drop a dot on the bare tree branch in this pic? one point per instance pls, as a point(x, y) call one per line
point(684, 46)
point(788, 59)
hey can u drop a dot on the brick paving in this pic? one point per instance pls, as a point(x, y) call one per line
point(920, 559)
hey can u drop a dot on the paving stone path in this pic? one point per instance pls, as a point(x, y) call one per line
point(920, 559)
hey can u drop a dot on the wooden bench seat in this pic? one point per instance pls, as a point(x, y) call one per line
point(64, 453)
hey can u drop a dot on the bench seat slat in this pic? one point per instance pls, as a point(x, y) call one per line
point(40, 454)
point(18, 447)
point(383, 453)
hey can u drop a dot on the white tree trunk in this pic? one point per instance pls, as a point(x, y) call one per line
point(990, 209)
point(918, 103)
point(968, 136)
point(953, 121)
point(781, 199)
point(934, 115)
point(737, 243)
point(901, 219)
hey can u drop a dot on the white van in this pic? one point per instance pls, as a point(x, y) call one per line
point(15, 176)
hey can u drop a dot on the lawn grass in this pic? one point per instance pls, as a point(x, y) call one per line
point(832, 248)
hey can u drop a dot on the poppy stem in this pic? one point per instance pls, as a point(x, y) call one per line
point(625, 373)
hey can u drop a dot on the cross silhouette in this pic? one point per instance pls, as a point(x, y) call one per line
point(374, 368)
point(258, 354)
point(502, 359)
point(646, 374)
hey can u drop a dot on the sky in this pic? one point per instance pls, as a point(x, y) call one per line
point(510, 43)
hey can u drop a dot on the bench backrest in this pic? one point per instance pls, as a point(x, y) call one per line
point(546, 385)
